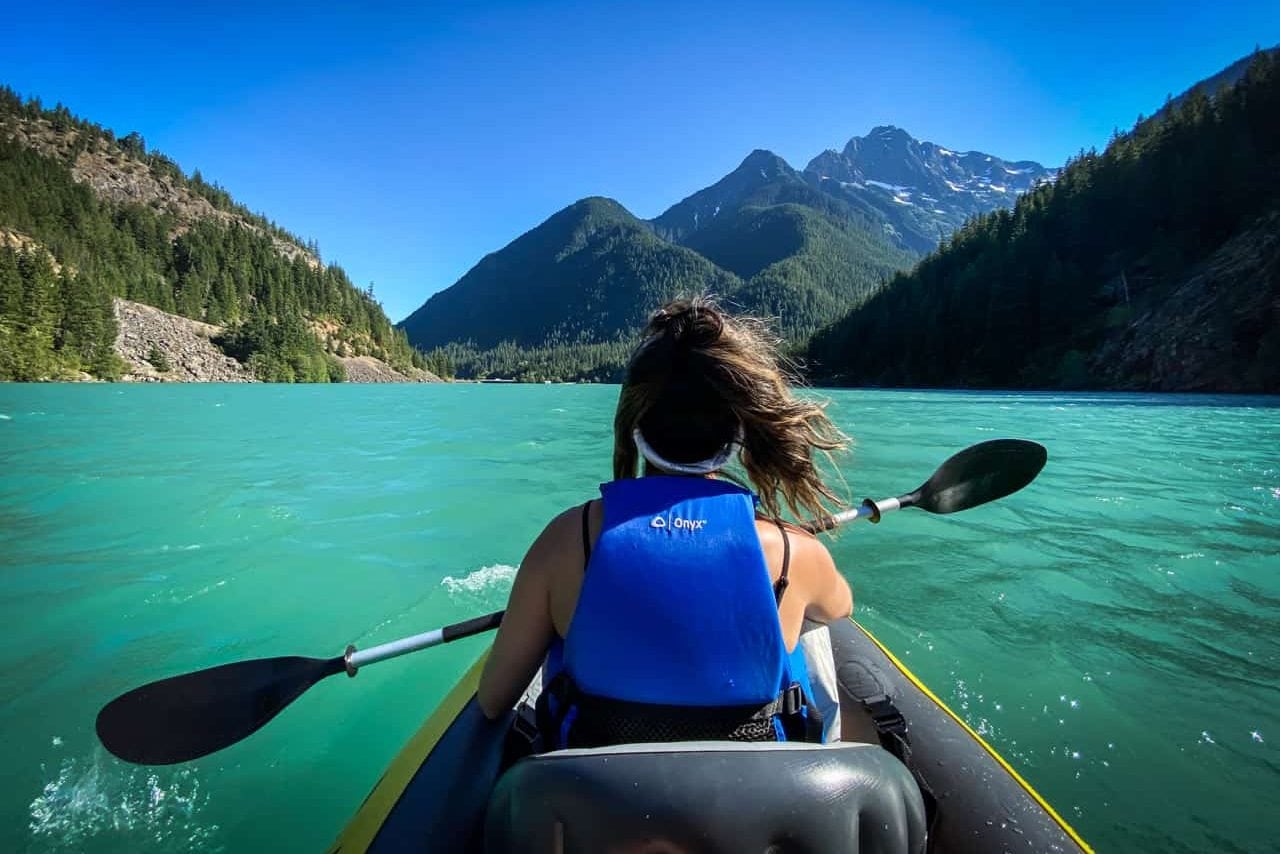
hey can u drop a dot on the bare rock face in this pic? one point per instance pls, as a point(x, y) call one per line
point(1216, 330)
point(181, 343)
point(184, 346)
point(366, 369)
point(20, 242)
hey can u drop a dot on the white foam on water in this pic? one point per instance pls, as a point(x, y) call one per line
point(481, 581)
point(140, 810)
point(166, 547)
point(173, 597)
point(4, 417)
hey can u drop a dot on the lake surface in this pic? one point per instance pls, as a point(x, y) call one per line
point(1113, 629)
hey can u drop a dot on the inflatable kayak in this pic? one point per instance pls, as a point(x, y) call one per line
point(916, 778)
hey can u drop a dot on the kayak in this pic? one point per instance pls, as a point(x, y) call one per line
point(919, 778)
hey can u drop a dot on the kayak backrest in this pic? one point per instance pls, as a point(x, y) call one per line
point(708, 797)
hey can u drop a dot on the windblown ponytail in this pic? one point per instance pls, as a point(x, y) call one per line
point(700, 380)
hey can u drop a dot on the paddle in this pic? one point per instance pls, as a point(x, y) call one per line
point(185, 717)
point(978, 474)
point(189, 716)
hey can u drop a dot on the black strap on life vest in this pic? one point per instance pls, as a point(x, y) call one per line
point(570, 717)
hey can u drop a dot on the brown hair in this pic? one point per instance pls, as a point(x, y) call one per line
point(697, 378)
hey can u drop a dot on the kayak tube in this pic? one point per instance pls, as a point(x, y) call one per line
point(449, 790)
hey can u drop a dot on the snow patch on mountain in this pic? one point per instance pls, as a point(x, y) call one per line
point(889, 170)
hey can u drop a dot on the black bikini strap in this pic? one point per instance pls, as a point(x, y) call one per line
point(780, 586)
point(586, 535)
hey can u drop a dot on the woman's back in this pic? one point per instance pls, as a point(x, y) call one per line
point(814, 589)
point(690, 600)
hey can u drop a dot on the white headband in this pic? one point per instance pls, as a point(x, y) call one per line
point(703, 467)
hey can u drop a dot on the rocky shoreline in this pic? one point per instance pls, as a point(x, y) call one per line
point(179, 342)
point(150, 339)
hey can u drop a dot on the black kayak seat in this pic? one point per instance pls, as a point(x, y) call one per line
point(707, 798)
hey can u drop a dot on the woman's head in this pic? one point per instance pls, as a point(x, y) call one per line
point(701, 380)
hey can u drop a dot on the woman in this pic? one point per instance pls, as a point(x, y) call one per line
point(667, 610)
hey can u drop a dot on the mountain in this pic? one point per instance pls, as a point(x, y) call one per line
point(800, 247)
point(803, 255)
point(922, 190)
point(590, 273)
point(1228, 76)
point(1154, 265)
point(763, 179)
point(88, 220)
point(593, 272)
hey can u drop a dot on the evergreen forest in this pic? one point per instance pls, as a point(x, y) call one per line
point(1153, 264)
point(65, 252)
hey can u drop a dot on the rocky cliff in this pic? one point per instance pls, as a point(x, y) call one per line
point(161, 347)
point(1218, 329)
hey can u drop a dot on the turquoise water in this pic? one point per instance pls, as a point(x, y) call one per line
point(1112, 629)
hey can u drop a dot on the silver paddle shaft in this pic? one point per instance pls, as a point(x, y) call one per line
point(868, 509)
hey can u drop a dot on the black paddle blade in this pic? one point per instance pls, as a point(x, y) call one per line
point(186, 717)
point(978, 474)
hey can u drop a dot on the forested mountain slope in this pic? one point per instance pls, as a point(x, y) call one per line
point(801, 248)
point(804, 255)
point(85, 217)
point(1149, 266)
point(590, 273)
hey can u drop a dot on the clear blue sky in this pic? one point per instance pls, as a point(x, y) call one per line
point(411, 141)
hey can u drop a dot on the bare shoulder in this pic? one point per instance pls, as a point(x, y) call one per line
point(796, 535)
point(810, 551)
point(561, 534)
point(807, 551)
point(567, 521)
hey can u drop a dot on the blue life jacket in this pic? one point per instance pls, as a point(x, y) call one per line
point(675, 635)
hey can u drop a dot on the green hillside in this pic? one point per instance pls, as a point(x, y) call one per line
point(559, 297)
point(1079, 277)
point(590, 273)
point(85, 217)
point(801, 266)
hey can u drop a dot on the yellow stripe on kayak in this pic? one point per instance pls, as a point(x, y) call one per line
point(359, 833)
point(1066, 828)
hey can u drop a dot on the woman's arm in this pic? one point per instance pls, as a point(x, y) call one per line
point(829, 595)
point(527, 631)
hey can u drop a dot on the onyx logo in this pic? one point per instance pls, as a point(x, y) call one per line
point(679, 523)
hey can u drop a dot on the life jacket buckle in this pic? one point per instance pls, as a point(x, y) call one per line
point(523, 738)
point(792, 699)
point(525, 725)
